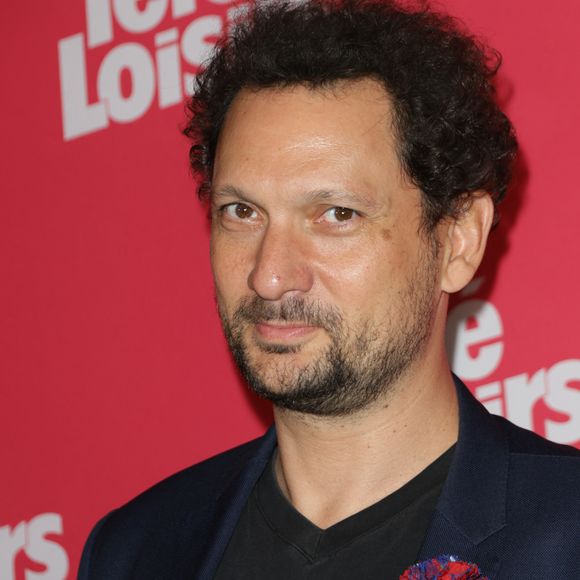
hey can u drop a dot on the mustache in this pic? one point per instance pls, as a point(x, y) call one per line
point(294, 309)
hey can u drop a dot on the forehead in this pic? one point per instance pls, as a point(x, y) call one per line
point(297, 138)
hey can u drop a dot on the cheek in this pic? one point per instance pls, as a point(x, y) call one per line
point(364, 276)
point(353, 270)
point(231, 267)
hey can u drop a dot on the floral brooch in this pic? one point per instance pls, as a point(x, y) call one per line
point(444, 568)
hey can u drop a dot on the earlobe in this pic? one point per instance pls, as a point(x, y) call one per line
point(465, 239)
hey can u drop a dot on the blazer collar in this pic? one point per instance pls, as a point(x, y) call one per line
point(474, 495)
point(231, 502)
point(472, 505)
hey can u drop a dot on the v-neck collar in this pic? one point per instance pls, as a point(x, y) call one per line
point(317, 543)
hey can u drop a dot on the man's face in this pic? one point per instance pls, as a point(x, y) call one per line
point(325, 285)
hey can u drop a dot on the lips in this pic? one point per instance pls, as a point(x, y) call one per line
point(282, 332)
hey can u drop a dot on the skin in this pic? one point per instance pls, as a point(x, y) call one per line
point(286, 160)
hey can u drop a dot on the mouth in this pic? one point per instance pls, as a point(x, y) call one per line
point(283, 331)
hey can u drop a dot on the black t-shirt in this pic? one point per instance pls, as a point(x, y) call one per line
point(274, 541)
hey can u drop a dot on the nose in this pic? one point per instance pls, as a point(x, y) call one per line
point(281, 266)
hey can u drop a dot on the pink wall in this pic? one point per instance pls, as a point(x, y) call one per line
point(114, 372)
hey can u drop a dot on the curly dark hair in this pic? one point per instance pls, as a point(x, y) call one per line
point(453, 139)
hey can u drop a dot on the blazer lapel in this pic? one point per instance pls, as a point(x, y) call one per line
point(231, 503)
point(471, 509)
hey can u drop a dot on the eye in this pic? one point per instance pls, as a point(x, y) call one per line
point(337, 215)
point(239, 211)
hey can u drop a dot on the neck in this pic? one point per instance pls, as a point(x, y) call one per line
point(331, 468)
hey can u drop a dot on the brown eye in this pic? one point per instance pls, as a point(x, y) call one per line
point(243, 211)
point(343, 214)
point(339, 215)
point(239, 212)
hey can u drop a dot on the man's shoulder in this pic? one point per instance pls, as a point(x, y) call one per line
point(197, 485)
point(523, 442)
point(542, 472)
point(542, 505)
point(168, 524)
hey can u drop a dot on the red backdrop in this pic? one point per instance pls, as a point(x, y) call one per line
point(114, 372)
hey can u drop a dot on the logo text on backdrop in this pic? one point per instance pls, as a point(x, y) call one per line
point(156, 70)
point(545, 401)
point(31, 538)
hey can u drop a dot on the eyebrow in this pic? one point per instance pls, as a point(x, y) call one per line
point(228, 191)
point(343, 197)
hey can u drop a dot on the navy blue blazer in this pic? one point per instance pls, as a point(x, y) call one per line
point(511, 504)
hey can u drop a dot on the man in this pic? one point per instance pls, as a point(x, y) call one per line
point(352, 155)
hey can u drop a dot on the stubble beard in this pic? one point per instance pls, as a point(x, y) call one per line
point(356, 369)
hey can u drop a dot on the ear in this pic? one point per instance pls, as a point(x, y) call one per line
point(464, 241)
